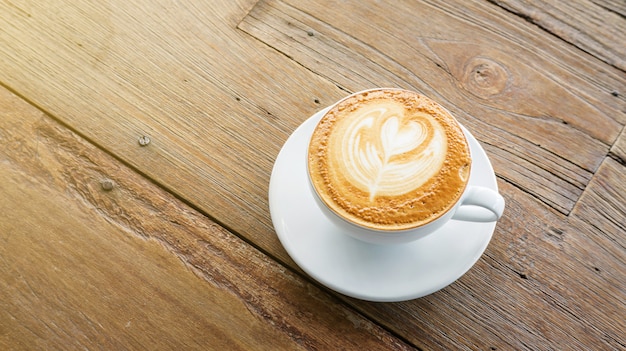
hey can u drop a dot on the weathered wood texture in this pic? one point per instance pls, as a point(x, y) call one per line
point(616, 6)
point(218, 87)
point(216, 103)
point(132, 267)
point(544, 110)
point(545, 282)
point(516, 97)
point(618, 151)
point(558, 281)
point(595, 27)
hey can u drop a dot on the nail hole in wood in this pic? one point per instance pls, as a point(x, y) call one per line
point(107, 184)
point(144, 140)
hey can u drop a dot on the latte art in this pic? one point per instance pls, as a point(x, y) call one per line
point(388, 159)
point(387, 155)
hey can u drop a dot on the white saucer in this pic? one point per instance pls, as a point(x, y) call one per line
point(361, 270)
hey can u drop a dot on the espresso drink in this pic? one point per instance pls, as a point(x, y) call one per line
point(389, 159)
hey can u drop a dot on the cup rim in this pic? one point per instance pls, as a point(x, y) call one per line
point(415, 226)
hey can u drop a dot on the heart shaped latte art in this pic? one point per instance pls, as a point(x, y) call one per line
point(388, 159)
point(390, 154)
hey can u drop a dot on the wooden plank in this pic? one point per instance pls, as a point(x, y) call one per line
point(545, 282)
point(616, 6)
point(87, 264)
point(596, 29)
point(602, 204)
point(217, 104)
point(518, 122)
point(618, 150)
point(180, 73)
point(454, 35)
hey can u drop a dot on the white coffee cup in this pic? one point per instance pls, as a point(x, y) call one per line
point(476, 204)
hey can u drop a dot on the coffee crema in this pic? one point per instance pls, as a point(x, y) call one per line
point(388, 159)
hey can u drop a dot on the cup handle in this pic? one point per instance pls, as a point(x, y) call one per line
point(480, 204)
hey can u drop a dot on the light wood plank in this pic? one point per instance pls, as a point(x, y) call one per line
point(595, 29)
point(511, 97)
point(132, 267)
point(71, 280)
point(216, 103)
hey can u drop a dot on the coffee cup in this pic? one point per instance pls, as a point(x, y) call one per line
point(390, 166)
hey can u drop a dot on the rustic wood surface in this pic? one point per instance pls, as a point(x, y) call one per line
point(95, 256)
point(109, 244)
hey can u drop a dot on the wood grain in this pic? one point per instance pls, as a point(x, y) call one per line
point(132, 267)
point(616, 6)
point(218, 87)
point(465, 56)
point(619, 148)
point(545, 282)
point(602, 204)
point(510, 96)
point(211, 98)
point(594, 28)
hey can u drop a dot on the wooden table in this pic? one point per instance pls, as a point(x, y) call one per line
point(137, 140)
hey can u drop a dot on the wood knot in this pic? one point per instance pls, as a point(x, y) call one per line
point(485, 78)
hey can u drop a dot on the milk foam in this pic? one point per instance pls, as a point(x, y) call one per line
point(384, 152)
point(388, 159)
